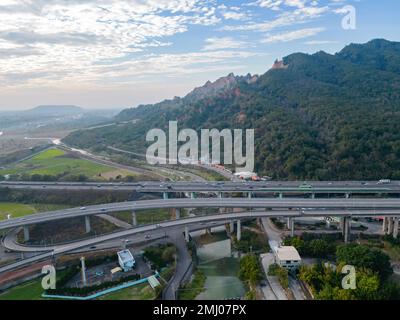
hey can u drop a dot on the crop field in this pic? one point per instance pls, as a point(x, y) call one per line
point(18, 210)
point(55, 162)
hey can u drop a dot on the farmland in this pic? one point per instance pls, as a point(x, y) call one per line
point(55, 164)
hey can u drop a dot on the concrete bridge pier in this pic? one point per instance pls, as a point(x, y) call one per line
point(313, 196)
point(26, 234)
point(346, 227)
point(192, 195)
point(281, 195)
point(165, 195)
point(384, 225)
point(390, 226)
point(291, 226)
point(187, 235)
point(249, 195)
point(347, 195)
point(87, 224)
point(232, 227)
point(134, 218)
point(396, 227)
point(177, 213)
point(239, 230)
point(220, 195)
point(341, 224)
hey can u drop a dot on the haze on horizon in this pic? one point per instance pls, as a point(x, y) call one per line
point(121, 53)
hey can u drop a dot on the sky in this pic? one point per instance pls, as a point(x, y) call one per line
point(122, 53)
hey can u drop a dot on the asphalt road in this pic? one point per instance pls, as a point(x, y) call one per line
point(228, 186)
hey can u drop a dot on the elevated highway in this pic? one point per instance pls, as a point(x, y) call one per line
point(181, 223)
point(266, 187)
point(375, 207)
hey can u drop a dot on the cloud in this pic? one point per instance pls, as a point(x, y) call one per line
point(222, 43)
point(317, 42)
point(74, 37)
point(292, 35)
point(287, 18)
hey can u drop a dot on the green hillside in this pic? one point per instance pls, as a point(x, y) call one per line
point(323, 117)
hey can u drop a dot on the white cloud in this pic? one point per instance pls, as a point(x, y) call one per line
point(293, 35)
point(70, 38)
point(287, 18)
point(318, 42)
point(222, 43)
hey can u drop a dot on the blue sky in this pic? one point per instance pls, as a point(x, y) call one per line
point(121, 53)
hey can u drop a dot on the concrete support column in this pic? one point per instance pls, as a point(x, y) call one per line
point(396, 227)
point(347, 226)
point(87, 224)
point(26, 233)
point(313, 196)
point(281, 195)
point(292, 227)
point(347, 195)
point(220, 195)
point(165, 195)
point(341, 224)
point(177, 213)
point(239, 230)
point(249, 195)
point(134, 219)
point(232, 227)
point(187, 236)
point(193, 195)
point(384, 225)
point(390, 226)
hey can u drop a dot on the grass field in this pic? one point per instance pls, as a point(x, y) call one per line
point(28, 291)
point(17, 210)
point(56, 162)
point(33, 291)
point(139, 292)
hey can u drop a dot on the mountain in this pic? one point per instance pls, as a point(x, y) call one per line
point(54, 111)
point(318, 116)
point(208, 90)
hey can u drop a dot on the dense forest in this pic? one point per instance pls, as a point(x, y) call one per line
point(322, 117)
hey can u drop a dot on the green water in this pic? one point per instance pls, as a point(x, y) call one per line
point(222, 274)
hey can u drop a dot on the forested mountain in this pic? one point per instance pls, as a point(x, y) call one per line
point(322, 116)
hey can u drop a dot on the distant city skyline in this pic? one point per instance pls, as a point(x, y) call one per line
point(121, 53)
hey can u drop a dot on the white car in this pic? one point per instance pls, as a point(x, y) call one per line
point(83, 208)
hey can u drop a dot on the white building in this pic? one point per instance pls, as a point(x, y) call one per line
point(126, 260)
point(287, 257)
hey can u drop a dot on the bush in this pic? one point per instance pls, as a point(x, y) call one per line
point(85, 291)
point(250, 269)
point(160, 256)
point(281, 273)
point(252, 240)
point(362, 256)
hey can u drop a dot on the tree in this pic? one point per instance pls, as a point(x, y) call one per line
point(362, 256)
point(250, 269)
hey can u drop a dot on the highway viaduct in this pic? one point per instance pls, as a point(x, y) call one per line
point(388, 208)
point(184, 223)
point(284, 205)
